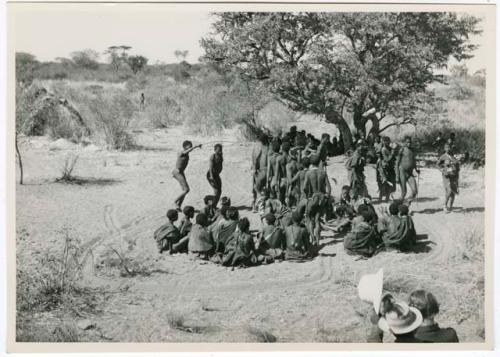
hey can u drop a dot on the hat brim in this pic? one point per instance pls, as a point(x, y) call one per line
point(378, 296)
point(384, 326)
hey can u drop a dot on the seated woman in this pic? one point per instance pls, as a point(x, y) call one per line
point(224, 229)
point(240, 248)
point(400, 234)
point(200, 241)
point(429, 330)
point(363, 239)
point(168, 234)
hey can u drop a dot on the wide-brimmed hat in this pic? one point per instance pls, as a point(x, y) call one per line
point(401, 319)
point(370, 288)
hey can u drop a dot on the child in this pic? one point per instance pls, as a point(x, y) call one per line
point(180, 167)
point(186, 224)
point(209, 208)
point(214, 170)
point(168, 234)
point(200, 240)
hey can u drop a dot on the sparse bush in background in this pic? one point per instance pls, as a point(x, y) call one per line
point(112, 113)
point(68, 167)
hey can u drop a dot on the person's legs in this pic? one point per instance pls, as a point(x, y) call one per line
point(402, 183)
point(184, 186)
point(412, 182)
point(216, 184)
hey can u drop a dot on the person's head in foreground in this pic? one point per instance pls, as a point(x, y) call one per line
point(244, 225)
point(269, 219)
point(232, 213)
point(394, 208)
point(172, 215)
point(218, 149)
point(401, 320)
point(426, 303)
point(187, 145)
point(202, 219)
point(188, 211)
point(225, 201)
point(209, 200)
point(403, 210)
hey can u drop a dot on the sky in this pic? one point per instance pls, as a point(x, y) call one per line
point(154, 31)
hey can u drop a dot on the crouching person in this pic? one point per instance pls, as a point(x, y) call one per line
point(168, 235)
point(400, 234)
point(200, 241)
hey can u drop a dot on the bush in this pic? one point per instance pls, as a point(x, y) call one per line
point(470, 142)
point(113, 112)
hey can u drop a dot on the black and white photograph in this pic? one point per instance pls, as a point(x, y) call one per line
point(254, 174)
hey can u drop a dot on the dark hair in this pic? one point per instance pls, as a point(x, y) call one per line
point(297, 216)
point(265, 191)
point(403, 210)
point(263, 139)
point(362, 207)
point(394, 208)
point(186, 143)
point(244, 224)
point(306, 162)
point(407, 137)
point(386, 139)
point(172, 215)
point(325, 135)
point(225, 201)
point(285, 146)
point(232, 213)
point(387, 303)
point(223, 211)
point(270, 218)
point(293, 128)
point(188, 211)
point(425, 302)
point(315, 159)
point(202, 219)
point(218, 146)
point(345, 187)
point(367, 215)
point(275, 146)
point(208, 198)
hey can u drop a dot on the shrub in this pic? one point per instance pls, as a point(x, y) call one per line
point(67, 168)
point(112, 112)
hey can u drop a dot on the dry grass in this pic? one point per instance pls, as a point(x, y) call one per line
point(61, 332)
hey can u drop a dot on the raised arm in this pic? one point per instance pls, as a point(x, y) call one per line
point(187, 151)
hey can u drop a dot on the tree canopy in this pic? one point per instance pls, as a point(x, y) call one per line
point(136, 63)
point(363, 67)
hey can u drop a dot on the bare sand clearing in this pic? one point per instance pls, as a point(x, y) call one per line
point(185, 300)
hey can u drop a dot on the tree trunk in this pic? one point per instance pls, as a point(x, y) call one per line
point(335, 118)
point(20, 162)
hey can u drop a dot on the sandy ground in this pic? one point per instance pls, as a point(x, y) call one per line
point(126, 200)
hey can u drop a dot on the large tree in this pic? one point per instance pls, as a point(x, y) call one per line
point(364, 67)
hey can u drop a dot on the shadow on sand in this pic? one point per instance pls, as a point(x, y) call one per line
point(88, 181)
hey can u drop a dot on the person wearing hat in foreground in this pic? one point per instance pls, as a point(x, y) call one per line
point(429, 330)
point(402, 321)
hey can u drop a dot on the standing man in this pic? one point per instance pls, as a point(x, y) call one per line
point(259, 167)
point(272, 174)
point(180, 167)
point(406, 163)
point(450, 169)
point(214, 170)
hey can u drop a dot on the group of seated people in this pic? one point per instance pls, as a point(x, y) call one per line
point(369, 232)
point(223, 237)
